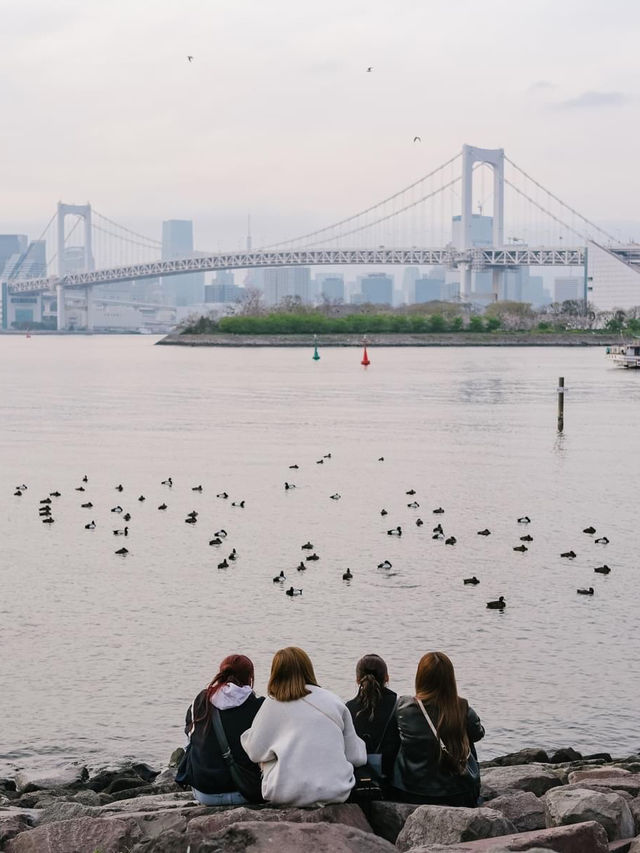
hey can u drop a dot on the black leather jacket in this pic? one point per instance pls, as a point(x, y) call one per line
point(417, 769)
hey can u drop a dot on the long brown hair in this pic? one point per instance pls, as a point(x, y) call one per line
point(234, 669)
point(371, 675)
point(291, 671)
point(436, 686)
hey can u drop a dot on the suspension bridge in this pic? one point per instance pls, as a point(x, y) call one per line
point(455, 216)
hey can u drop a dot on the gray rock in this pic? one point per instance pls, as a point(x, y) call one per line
point(67, 777)
point(595, 773)
point(611, 811)
point(65, 810)
point(449, 825)
point(634, 808)
point(523, 756)
point(523, 809)
point(152, 803)
point(109, 776)
point(387, 818)
point(634, 847)
point(561, 756)
point(176, 757)
point(167, 780)
point(89, 798)
point(527, 777)
point(80, 835)
point(11, 825)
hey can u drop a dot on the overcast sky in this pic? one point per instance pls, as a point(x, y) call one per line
point(277, 115)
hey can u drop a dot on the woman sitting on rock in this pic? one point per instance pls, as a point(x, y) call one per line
point(436, 762)
point(303, 737)
point(230, 695)
point(373, 714)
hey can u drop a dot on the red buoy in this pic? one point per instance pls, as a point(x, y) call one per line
point(365, 358)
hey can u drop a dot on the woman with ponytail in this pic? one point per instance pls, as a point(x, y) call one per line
point(230, 694)
point(373, 714)
point(436, 762)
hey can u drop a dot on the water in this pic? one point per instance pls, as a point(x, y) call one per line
point(100, 655)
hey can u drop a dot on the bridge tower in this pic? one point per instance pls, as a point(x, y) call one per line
point(493, 157)
point(67, 264)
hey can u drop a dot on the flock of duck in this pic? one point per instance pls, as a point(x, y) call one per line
point(45, 513)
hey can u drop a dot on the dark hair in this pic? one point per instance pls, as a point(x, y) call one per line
point(436, 685)
point(291, 671)
point(371, 675)
point(234, 669)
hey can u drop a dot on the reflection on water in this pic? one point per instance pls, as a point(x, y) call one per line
point(103, 653)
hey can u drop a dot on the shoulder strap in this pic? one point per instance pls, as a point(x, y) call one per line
point(221, 737)
point(386, 725)
point(324, 713)
point(431, 726)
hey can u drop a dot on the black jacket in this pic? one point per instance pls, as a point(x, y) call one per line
point(417, 768)
point(373, 732)
point(208, 770)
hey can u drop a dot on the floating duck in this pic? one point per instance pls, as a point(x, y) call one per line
point(346, 576)
point(395, 531)
point(602, 570)
point(413, 505)
point(196, 488)
point(117, 509)
point(119, 487)
point(162, 506)
point(438, 529)
point(48, 520)
point(419, 522)
point(122, 552)
point(313, 557)
point(215, 541)
point(589, 530)
point(521, 548)
point(474, 580)
point(450, 541)
point(585, 591)
point(485, 532)
point(384, 565)
point(238, 503)
point(221, 534)
point(410, 492)
point(335, 497)
point(85, 479)
point(167, 482)
point(90, 526)
point(500, 604)
point(124, 532)
point(281, 578)
point(79, 488)
point(301, 567)
point(524, 519)
point(383, 512)
point(223, 495)
point(288, 486)
point(318, 462)
point(570, 555)
point(190, 520)
point(233, 555)
point(601, 541)
point(223, 565)
point(127, 516)
point(438, 536)
point(142, 498)
point(327, 456)
point(380, 458)
point(526, 538)
point(294, 467)
point(88, 505)
point(53, 494)
point(291, 591)
point(438, 510)
point(307, 546)
point(45, 501)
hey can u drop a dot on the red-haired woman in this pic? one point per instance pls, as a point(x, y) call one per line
point(436, 762)
point(303, 737)
point(230, 694)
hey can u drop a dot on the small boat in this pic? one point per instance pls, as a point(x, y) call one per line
point(625, 355)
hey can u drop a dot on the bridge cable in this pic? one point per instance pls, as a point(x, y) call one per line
point(544, 210)
point(155, 243)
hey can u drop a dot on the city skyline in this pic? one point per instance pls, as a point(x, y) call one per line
point(277, 116)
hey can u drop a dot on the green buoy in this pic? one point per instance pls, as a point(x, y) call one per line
point(316, 354)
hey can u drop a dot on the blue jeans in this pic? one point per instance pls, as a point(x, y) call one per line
point(231, 798)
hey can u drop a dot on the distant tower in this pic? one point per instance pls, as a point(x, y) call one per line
point(83, 210)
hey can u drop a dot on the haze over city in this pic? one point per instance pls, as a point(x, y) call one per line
point(277, 116)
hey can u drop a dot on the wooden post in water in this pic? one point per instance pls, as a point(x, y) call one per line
point(561, 404)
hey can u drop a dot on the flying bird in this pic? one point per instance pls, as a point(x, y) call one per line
point(417, 139)
point(189, 58)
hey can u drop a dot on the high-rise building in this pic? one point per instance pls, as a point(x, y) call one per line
point(409, 278)
point(223, 293)
point(331, 287)
point(377, 288)
point(428, 289)
point(281, 282)
point(177, 242)
point(568, 287)
point(11, 245)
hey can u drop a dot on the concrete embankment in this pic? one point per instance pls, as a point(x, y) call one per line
point(533, 801)
point(459, 339)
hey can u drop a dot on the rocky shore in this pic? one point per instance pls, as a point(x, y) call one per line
point(430, 339)
point(532, 802)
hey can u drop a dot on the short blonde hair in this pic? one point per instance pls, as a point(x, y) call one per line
point(291, 671)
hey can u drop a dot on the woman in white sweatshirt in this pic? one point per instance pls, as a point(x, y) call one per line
point(303, 737)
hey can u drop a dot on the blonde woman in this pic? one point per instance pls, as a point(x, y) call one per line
point(303, 737)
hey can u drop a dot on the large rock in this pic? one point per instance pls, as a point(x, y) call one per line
point(67, 777)
point(153, 803)
point(523, 756)
point(561, 756)
point(578, 838)
point(12, 824)
point(270, 837)
point(346, 814)
point(634, 808)
point(522, 808)
point(525, 777)
point(595, 773)
point(65, 810)
point(449, 825)
point(107, 777)
point(564, 806)
point(81, 835)
point(387, 818)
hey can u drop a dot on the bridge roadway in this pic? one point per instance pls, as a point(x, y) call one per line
point(478, 259)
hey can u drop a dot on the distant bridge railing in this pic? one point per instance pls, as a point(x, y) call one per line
point(478, 258)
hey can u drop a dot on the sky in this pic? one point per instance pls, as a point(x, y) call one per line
point(277, 116)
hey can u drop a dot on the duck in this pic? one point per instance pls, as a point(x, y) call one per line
point(45, 501)
point(22, 487)
point(291, 591)
point(301, 567)
point(589, 530)
point(223, 496)
point(85, 479)
point(602, 540)
point(88, 505)
point(521, 548)
point(196, 488)
point(233, 555)
point(44, 510)
point(162, 506)
point(79, 488)
point(318, 462)
point(419, 522)
point(438, 529)
point(380, 458)
point(190, 520)
point(90, 526)
point(17, 493)
point(474, 580)
point(192, 514)
point(294, 467)
point(52, 494)
point(450, 541)
point(313, 557)
point(410, 492)
point(413, 505)
point(215, 541)
point(116, 509)
point(524, 519)
point(526, 538)
point(127, 516)
point(438, 536)
point(124, 532)
point(307, 546)
point(281, 578)
point(223, 565)
point(395, 531)
point(584, 591)
point(142, 498)
point(500, 604)
point(47, 520)
point(167, 482)
point(438, 510)
point(222, 533)
point(346, 576)
point(570, 555)
point(122, 552)
point(335, 497)
point(383, 512)
point(385, 565)
point(485, 532)
point(238, 503)
point(288, 486)
point(602, 570)
point(327, 456)
point(119, 487)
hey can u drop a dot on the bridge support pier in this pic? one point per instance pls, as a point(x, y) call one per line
point(496, 283)
point(61, 319)
point(465, 283)
point(90, 307)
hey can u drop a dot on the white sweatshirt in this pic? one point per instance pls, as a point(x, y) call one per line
point(307, 749)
